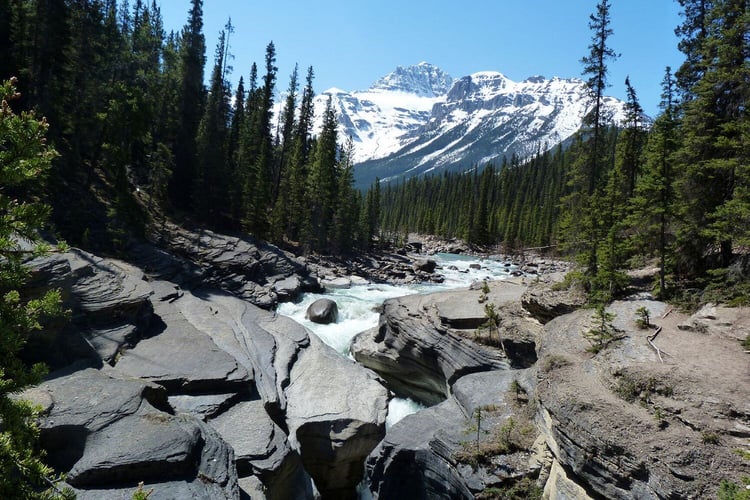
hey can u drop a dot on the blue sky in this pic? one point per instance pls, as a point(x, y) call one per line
point(351, 44)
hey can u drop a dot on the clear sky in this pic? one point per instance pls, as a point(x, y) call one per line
point(350, 43)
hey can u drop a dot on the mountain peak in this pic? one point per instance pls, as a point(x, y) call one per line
point(423, 79)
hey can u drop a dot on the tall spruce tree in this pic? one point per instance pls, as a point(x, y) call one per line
point(582, 229)
point(191, 101)
point(653, 209)
point(715, 132)
point(322, 183)
point(258, 193)
point(211, 179)
point(299, 162)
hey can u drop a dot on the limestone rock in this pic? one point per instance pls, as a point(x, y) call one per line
point(262, 450)
point(203, 406)
point(415, 460)
point(183, 358)
point(249, 268)
point(323, 311)
point(336, 415)
point(624, 424)
point(109, 303)
point(425, 265)
point(416, 354)
point(103, 430)
point(546, 304)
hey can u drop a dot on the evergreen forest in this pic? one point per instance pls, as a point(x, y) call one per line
point(140, 136)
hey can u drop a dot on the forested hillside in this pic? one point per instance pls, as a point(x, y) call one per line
point(140, 136)
point(675, 189)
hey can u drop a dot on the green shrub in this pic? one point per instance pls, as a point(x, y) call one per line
point(603, 332)
point(733, 491)
point(642, 318)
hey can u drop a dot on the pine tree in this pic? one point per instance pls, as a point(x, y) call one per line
point(715, 132)
point(653, 208)
point(585, 204)
point(322, 183)
point(211, 179)
point(191, 102)
point(25, 159)
point(299, 162)
point(346, 208)
point(281, 212)
point(260, 159)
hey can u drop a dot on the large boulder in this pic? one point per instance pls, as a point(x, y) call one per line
point(336, 414)
point(262, 450)
point(416, 354)
point(323, 311)
point(425, 265)
point(103, 430)
point(546, 303)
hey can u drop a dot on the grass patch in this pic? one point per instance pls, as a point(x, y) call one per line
point(733, 491)
point(553, 362)
point(524, 489)
point(632, 389)
point(710, 438)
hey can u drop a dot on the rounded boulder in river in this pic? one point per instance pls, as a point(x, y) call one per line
point(323, 311)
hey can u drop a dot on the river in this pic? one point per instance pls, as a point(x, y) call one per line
point(358, 307)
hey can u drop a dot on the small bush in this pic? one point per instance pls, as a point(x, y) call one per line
point(733, 491)
point(642, 318)
point(553, 362)
point(574, 279)
point(524, 489)
point(710, 438)
point(603, 332)
point(140, 493)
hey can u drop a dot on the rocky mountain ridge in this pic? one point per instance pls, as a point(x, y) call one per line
point(419, 119)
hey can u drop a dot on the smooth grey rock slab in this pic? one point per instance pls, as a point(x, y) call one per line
point(147, 445)
point(341, 423)
point(104, 431)
point(415, 460)
point(262, 450)
point(183, 358)
point(259, 444)
point(202, 406)
point(416, 354)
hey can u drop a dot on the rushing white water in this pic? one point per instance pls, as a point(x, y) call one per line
point(358, 306)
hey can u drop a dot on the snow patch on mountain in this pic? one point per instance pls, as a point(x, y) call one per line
point(380, 118)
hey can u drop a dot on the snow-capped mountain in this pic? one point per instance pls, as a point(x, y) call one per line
point(418, 119)
point(377, 119)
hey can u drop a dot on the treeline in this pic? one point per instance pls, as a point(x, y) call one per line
point(677, 188)
point(135, 125)
point(515, 204)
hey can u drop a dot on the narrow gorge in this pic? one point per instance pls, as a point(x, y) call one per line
point(168, 372)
